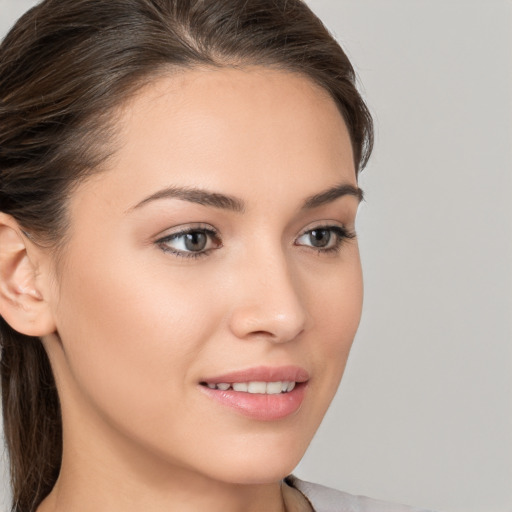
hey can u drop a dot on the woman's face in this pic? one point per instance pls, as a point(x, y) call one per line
point(215, 251)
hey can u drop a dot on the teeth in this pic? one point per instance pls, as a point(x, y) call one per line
point(274, 388)
point(256, 387)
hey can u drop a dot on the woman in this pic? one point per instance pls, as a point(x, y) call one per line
point(180, 278)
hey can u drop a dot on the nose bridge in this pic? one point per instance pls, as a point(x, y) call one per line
point(269, 300)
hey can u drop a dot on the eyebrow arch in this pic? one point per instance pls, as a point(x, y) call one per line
point(196, 195)
point(226, 202)
point(332, 194)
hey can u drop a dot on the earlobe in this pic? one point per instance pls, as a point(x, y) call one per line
point(22, 304)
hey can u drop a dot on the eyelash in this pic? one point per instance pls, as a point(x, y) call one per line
point(342, 234)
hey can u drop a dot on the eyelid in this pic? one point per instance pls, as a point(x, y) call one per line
point(329, 224)
point(184, 228)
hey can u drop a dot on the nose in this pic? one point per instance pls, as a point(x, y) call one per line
point(268, 302)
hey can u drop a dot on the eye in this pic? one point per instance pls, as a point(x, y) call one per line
point(190, 242)
point(325, 238)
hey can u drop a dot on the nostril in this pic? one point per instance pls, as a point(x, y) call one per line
point(262, 333)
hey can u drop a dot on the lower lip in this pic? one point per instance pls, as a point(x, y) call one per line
point(260, 406)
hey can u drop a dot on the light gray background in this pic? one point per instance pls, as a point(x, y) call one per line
point(424, 415)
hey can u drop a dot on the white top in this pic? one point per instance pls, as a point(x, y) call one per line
point(325, 499)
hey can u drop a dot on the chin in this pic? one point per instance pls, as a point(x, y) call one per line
point(256, 474)
point(257, 462)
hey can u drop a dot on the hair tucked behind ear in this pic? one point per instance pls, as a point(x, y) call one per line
point(64, 69)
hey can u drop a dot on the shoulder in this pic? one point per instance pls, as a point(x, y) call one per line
point(325, 499)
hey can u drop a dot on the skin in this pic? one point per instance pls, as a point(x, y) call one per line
point(131, 327)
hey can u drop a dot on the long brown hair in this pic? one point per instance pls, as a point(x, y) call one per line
point(64, 68)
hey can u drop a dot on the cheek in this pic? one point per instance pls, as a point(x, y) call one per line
point(336, 302)
point(336, 312)
point(129, 334)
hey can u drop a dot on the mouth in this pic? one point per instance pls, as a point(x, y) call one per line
point(254, 387)
point(263, 393)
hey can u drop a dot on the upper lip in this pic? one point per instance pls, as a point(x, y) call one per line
point(262, 374)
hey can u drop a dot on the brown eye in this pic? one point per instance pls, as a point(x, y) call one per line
point(195, 241)
point(320, 237)
point(325, 238)
point(190, 242)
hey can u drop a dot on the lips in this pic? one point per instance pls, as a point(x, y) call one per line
point(262, 393)
point(262, 373)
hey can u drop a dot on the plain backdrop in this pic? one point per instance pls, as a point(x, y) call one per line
point(424, 413)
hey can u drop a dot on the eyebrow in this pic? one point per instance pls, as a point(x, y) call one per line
point(196, 195)
point(331, 194)
point(227, 202)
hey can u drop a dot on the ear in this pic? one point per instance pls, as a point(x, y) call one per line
point(22, 302)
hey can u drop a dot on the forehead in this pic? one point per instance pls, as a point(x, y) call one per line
point(232, 130)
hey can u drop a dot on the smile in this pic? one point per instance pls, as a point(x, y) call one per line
point(255, 387)
point(261, 393)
